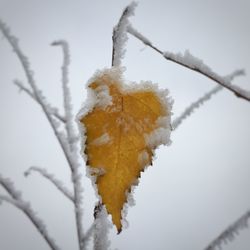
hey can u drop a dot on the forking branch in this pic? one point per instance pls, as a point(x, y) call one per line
point(193, 63)
point(206, 97)
point(17, 201)
point(57, 183)
point(68, 138)
point(119, 36)
point(69, 148)
point(54, 110)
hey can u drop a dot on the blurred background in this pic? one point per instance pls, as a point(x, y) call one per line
point(197, 186)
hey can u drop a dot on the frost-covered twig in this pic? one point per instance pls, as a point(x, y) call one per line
point(101, 228)
point(191, 62)
point(72, 140)
point(70, 155)
point(17, 201)
point(78, 191)
point(87, 236)
point(131, 30)
point(230, 233)
point(13, 41)
point(8, 185)
point(66, 91)
point(195, 105)
point(206, 97)
point(120, 35)
point(54, 111)
point(59, 185)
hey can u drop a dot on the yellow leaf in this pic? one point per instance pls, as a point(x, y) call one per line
point(123, 125)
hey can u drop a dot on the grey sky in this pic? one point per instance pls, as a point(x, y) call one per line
point(198, 185)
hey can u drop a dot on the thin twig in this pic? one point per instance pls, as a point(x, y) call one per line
point(101, 228)
point(206, 97)
point(17, 201)
point(88, 235)
point(13, 41)
point(71, 156)
point(189, 61)
point(54, 111)
point(66, 91)
point(78, 190)
point(120, 37)
point(230, 232)
point(195, 105)
point(59, 185)
point(72, 139)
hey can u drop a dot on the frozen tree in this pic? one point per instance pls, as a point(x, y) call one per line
point(66, 132)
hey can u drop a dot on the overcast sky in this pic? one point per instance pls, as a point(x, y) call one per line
point(198, 185)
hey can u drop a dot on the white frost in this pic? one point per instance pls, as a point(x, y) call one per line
point(100, 96)
point(162, 94)
point(206, 97)
point(16, 200)
point(59, 184)
point(161, 135)
point(157, 137)
point(192, 62)
point(188, 59)
point(143, 159)
point(102, 140)
point(195, 105)
point(120, 36)
point(129, 203)
point(230, 232)
point(101, 230)
point(137, 34)
point(103, 99)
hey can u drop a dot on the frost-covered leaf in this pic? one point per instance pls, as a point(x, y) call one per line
point(123, 125)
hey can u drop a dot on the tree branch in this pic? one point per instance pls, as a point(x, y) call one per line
point(72, 139)
point(58, 184)
point(13, 41)
point(25, 207)
point(88, 235)
point(195, 105)
point(70, 155)
point(230, 233)
point(101, 228)
point(54, 110)
point(206, 97)
point(189, 61)
point(120, 37)
point(66, 91)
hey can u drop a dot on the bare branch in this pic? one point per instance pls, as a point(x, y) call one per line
point(70, 155)
point(206, 97)
point(189, 61)
point(101, 228)
point(236, 73)
point(59, 185)
point(8, 185)
point(72, 140)
point(195, 105)
point(120, 35)
point(13, 41)
point(230, 233)
point(88, 235)
point(25, 207)
point(78, 191)
point(54, 111)
point(66, 91)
